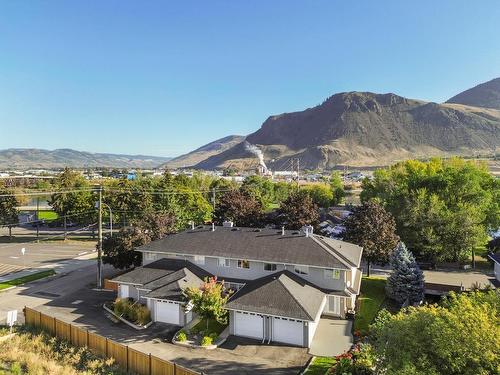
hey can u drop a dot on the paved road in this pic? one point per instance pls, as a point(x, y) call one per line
point(72, 278)
point(467, 278)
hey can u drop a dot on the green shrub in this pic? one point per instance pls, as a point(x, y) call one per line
point(181, 336)
point(133, 312)
point(120, 306)
point(214, 336)
point(143, 315)
point(206, 341)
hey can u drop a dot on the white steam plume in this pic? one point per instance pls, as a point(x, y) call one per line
point(257, 152)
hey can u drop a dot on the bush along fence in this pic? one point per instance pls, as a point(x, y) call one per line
point(130, 359)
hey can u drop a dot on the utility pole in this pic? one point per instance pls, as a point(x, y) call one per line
point(99, 241)
point(213, 198)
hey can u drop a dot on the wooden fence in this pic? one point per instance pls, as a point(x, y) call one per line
point(130, 359)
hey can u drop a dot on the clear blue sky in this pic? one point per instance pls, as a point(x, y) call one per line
point(164, 77)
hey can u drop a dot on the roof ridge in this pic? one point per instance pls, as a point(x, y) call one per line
point(292, 295)
point(332, 251)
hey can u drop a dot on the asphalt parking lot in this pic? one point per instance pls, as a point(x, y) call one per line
point(39, 254)
point(236, 356)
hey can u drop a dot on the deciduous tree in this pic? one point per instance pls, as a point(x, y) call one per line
point(240, 207)
point(373, 228)
point(209, 300)
point(298, 210)
point(461, 336)
point(8, 204)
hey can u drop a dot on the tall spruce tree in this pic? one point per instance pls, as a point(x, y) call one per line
point(405, 285)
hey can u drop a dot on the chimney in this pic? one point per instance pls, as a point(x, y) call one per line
point(213, 227)
point(283, 230)
point(227, 224)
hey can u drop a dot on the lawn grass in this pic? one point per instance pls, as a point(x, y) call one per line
point(370, 301)
point(47, 215)
point(26, 279)
point(320, 365)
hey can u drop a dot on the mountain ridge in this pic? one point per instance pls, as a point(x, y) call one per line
point(484, 95)
point(25, 158)
point(364, 129)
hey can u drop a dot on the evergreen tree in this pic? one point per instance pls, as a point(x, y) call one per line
point(406, 282)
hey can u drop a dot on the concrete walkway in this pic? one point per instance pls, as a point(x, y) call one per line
point(332, 337)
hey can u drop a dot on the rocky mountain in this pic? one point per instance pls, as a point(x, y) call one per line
point(204, 152)
point(22, 158)
point(366, 129)
point(486, 95)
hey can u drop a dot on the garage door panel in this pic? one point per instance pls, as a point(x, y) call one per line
point(167, 312)
point(248, 325)
point(288, 331)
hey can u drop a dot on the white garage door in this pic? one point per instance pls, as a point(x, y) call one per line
point(167, 312)
point(248, 325)
point(288, 331)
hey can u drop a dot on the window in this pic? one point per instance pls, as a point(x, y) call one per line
point(199, 259)
point(301, 270)
point(269, 267)
point(224, 262)
point(332, 274)
point(243, 263)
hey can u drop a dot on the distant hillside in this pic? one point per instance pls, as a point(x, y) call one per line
point(362, 129)
point(204, 152)
point(60, 158)
point(486, 95)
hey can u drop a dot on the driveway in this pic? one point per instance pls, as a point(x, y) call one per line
point(332, 337)
point(236, 356)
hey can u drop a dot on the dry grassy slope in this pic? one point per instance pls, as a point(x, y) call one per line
point(361, 128)
point(60, 158)
point(485, 95)
point(204, 152)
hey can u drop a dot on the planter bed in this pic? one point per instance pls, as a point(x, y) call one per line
point(110, 310)
point(198, 336)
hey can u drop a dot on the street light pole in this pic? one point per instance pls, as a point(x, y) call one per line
point(99, 243)
point(110, 219)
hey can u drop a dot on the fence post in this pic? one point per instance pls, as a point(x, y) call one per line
point(88, 345)
point(127, 358)
point(175, 368)
point(54, 324)
point(106, 347)
point(149, 372)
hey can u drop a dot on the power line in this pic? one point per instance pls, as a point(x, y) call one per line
point(47, 220)
point(51, 236)
point(47, 192)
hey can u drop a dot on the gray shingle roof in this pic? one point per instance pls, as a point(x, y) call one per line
point(157, 270)
point(174, 284)
point(258, 244)
point(281, 294)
